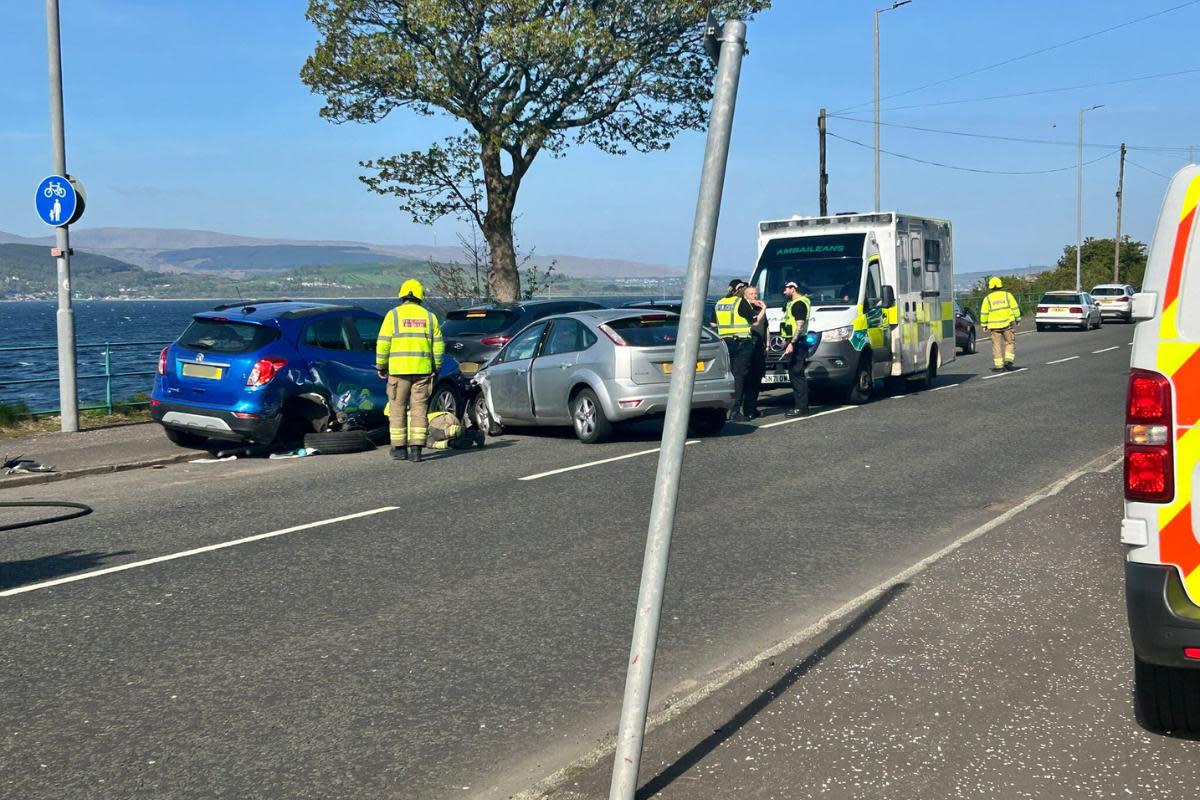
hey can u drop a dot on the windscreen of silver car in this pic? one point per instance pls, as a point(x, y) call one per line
point(219, 335)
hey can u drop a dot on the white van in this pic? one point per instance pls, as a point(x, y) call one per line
point(882, 292)
point(1162, 470)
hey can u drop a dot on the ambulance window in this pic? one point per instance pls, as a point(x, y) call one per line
point(933, 255)
point(915, 258)
point(1189, 290)
point(871, 293)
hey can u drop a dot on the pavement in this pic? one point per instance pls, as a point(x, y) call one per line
point(343, 626)
point(90, 452)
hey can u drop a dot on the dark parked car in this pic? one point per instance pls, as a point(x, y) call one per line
point(675, 306)
point(964, 329)
point(473, 335)
point(281, 370)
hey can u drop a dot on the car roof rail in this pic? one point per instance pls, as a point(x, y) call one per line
point(249, 303)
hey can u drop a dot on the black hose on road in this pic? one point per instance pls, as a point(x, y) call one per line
point(81, 511)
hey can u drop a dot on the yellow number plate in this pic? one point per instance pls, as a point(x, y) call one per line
point(667, 367)
point(202, 371)
point(1058, 310)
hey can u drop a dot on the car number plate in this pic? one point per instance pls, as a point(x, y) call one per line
point(666, 367)
point(1108, 302)
point(202, 371)
point(777, 377)
point(1057, 310)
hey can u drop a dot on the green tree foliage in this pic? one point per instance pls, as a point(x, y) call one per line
point(525, 77)
point(1096, 267)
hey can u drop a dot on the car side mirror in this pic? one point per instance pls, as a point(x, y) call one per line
point(1144, 306)
point(889, 298)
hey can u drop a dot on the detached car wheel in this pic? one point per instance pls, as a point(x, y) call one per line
point(588, 419)
point(339, 442)
point(1167, 698)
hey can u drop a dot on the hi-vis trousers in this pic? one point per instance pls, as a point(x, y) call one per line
point(408, 409)
point(1004, 346)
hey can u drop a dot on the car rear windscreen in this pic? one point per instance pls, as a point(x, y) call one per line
point(652, 330)
point(1108, 291)
point(224, 336)
point(477, 322)
point(1059, 299)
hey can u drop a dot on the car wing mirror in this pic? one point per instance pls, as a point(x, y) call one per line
point(889, 298)
point(1145, 304)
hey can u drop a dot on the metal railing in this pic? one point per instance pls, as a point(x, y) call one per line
point(971, 302)
point(107, 376)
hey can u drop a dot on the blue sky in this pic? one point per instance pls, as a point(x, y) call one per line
point(191, 114)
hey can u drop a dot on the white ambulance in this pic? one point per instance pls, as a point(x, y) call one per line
point(1162, 470)
point(882, 292)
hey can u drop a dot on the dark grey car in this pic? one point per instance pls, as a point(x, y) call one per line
point(473, 335)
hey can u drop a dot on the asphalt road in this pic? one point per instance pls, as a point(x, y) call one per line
point(469, 637)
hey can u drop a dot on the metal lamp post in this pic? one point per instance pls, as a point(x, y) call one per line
point(1079, 203)
point(879, 11)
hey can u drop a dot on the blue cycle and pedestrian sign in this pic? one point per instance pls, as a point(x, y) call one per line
point(58, 201)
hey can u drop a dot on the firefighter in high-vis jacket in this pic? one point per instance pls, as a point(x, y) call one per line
point(793, 328)
point(408, 354)
point(999, 315)
point(734, 316)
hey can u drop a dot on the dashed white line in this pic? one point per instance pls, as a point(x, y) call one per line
point(597, 463)
point(1062, 360)
point(1004, 374)
point(83, 576)
point(810, 416)
point(947, 386)
point(1105, 350)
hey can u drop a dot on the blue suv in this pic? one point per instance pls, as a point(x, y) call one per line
point(268, 371)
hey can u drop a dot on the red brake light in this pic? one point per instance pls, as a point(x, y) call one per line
point(1149, 446)
point(162, 361)
point(1043, 309)
point(613, 335)
point(265, 370)
point(653, 318)
point(1076, 310)
point(1124, 298)
point(494, 341)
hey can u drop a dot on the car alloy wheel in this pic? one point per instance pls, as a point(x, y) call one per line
point(444, 400)
point(585, 417)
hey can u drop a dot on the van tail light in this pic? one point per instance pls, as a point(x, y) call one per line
point(1076, 310)
point(611, 334)
point(1043, 309)
point(162, 361)
point(1149, 439)
point(265, 370)
point(494, 341)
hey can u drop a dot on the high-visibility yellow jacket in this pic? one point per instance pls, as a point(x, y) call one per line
point(730, 322)
point(795, 324)
point(410, 341)
point(999, 310)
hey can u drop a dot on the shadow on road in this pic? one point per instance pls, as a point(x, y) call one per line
point(697, 754)
point(34, 570)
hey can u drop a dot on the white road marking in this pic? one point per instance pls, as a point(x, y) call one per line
point(655, 720)
point(900, 397)
point(598, 463)
point(83, 576)
point(1021, 333)
point(1005, 373)
point(810, 416)
point(1105, 350)
point(947, 386)
point(1061, 360)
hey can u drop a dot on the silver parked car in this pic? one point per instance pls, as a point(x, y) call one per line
point(1067, 309)
point(1116, 300)
point(593, 369)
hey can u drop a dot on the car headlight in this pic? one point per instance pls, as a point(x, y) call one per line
point(838, 334)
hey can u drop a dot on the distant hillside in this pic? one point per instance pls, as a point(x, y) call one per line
point(184, 250)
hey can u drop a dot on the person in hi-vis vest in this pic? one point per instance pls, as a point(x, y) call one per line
point(999, 314)
point(408, 355)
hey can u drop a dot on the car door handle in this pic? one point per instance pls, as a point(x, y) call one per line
point(522, 371)
point(565, 366)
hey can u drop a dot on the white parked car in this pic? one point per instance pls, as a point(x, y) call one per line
point(1067, 309)
point(1116, 300)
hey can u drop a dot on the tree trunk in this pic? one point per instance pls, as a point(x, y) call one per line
point(503, 276)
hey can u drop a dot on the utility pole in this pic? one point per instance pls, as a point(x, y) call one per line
point(68, 398)
point(879, 11)
point(632, 728)
point(1079, 204)
point(1117, 241)
point(823, 176)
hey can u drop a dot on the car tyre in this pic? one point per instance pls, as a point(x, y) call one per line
point(970, 346)
point(927, 377)
point(706, 421)
point(1167, 699)
point(863, 388)
point(339, 442)
point(194, 441)
point(445, 397)
point(481, 415)
point(588, 418)
point(1041, 327)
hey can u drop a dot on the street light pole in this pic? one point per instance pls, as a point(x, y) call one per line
point(879, 11)
point(1079, 204)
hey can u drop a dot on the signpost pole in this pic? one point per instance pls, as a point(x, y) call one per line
point(632, 729)
point(68, 400)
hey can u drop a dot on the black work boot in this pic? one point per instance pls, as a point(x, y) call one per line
point(1010, 366)
point(480, 438)
point(414, 454)
point(399, 453)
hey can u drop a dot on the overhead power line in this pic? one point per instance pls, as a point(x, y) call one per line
point(996, 137)
point(1042, 91)
point(968, 169)
point(1024, 56)
point(1146, 169)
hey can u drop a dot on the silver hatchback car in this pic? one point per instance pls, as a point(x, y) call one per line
point(592, 369)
